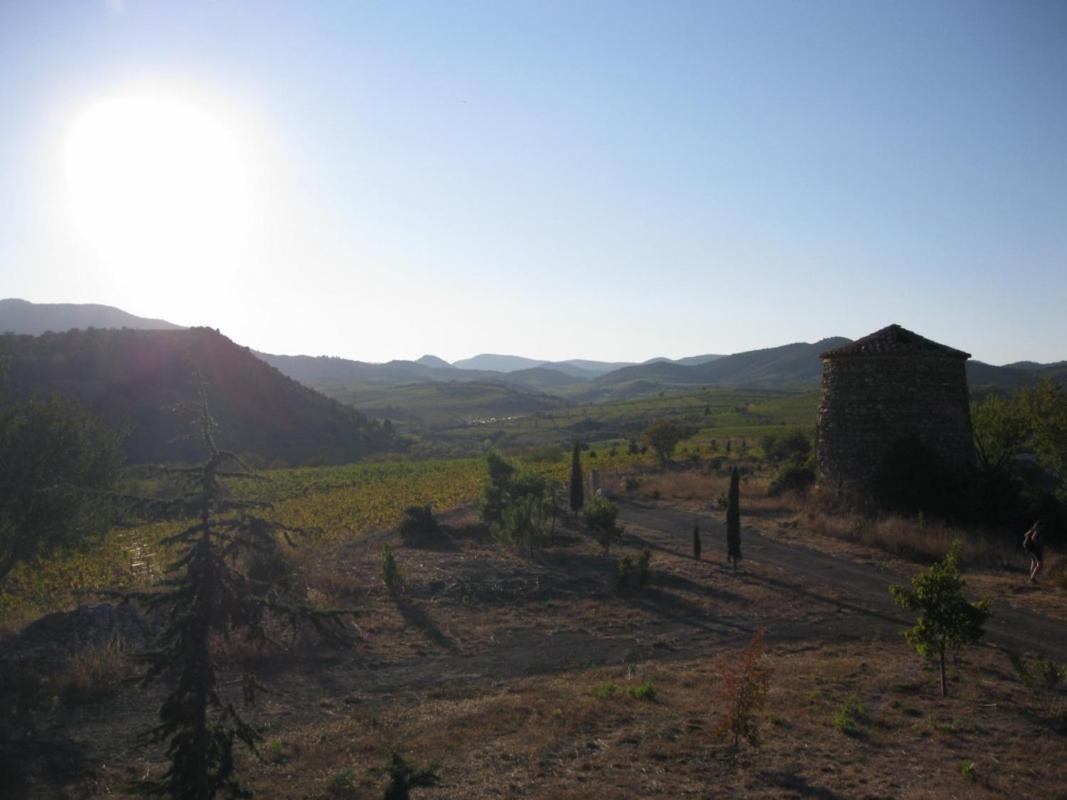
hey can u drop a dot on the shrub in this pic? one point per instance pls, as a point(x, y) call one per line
point(1050, 673)
point(778, 447)
point(796, 475)
point(744, 688)
point(663, 437)
point(94, 673)
point(342, 785)
point(600, 517)
point(848, 716)
point(606, 690)
point(646, 691)
point(391, 574)
point(419, 527)
point(519, 508)
point(405, 776)
point(632, 574)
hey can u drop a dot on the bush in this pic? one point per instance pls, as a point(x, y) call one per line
point(633, 574)
point(848, 716)
point(419, 528)
point(744, 688)
point(646, 691)
point(600, 517)
point(796, 475)
point(778, 447)
point(519, 508)
point(405, 776)
point(391, 574)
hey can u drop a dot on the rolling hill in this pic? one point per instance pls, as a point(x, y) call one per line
point(136, 379)
point(22, 316)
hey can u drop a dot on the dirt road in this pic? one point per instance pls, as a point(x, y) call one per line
point(861, 591)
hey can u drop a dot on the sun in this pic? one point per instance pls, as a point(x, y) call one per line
point(158, 189)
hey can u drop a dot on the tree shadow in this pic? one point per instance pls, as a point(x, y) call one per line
point(799, 784)
point(417, 617)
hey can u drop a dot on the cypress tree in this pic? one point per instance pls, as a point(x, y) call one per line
point(577, 490)
point(733, 519)
point(696, 541)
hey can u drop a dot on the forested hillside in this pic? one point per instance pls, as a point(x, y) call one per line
point(146, 382)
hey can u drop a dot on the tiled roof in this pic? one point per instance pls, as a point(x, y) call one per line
point(894, 341)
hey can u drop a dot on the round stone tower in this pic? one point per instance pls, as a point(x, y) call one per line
point(889, 386)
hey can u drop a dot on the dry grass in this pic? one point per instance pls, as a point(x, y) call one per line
point(912, 538)
point(700, 488)
point(484, 667)
point(557, 737)
point(95, 673)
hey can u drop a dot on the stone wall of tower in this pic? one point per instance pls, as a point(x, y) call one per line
point(871, 401)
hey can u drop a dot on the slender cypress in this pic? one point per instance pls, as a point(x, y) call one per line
point(733, 519)
point(577, 490)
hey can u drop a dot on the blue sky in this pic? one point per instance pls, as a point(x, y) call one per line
point(575, 179)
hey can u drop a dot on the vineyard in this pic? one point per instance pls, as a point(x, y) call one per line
point(331, 504)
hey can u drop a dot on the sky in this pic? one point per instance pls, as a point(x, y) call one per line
point(578, 179)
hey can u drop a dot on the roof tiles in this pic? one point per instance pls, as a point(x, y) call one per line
point(894, 341)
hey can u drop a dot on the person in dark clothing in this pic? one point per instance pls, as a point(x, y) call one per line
point(1033, 545)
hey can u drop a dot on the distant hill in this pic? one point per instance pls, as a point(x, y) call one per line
point(791, 366)
point(433, 361)
point(333, 375)
point(496, 363)
point(22, 316)
point(693, 361)
point(134, 379)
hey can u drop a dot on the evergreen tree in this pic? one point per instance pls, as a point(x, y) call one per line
point(577, 489)
point(733, 518)
point(696, 541)
point(208, 591)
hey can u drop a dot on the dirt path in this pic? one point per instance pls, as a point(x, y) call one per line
point(860, 591)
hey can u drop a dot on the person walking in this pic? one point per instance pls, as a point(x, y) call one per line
point(1033, 545)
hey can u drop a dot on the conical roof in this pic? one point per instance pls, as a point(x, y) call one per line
point(894, 341)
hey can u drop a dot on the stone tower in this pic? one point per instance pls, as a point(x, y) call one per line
point(885, 387)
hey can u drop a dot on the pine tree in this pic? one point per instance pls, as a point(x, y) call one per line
point(577, 489)
point(696, 541)
point(207, 591)
point(733, 518)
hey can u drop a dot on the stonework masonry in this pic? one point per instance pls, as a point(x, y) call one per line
point(888, 386)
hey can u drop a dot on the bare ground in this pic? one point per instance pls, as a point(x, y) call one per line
point(490, 663)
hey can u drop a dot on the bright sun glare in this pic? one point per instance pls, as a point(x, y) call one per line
point(155, 186)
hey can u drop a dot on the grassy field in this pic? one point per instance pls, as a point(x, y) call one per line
point(718, 414)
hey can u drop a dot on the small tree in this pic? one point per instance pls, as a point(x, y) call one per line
point(663, 437)
point(696, 541)
point(600, 517)
point(518, 507)
point(391, 574)
point(208, 591)
point(744, 688)
point(57, 465)
point(948, 620)
point(577, 488)
point(733, 519)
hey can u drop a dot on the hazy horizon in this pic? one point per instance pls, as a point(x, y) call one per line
point(607, 181)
